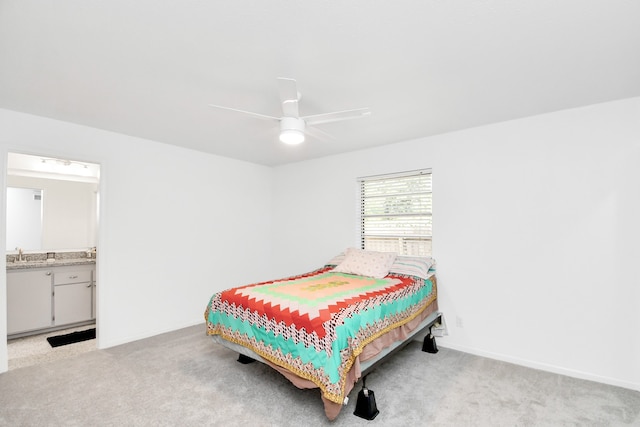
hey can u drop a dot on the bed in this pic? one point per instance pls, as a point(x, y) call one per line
point(326, 327)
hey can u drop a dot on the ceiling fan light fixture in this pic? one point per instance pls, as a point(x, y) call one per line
point(291, 130)
point(292, 126)
point(291, 137)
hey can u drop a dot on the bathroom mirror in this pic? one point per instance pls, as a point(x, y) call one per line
point(66, 217)
point(24, 218)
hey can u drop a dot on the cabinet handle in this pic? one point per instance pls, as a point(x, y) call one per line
point(89, 285)
point(48, 273)
point(73, 277)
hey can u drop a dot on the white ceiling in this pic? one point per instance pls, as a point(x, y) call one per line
point(150, 68)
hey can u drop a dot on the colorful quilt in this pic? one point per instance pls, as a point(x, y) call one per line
point(316, 324)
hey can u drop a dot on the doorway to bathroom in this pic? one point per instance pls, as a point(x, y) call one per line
point(52, 207)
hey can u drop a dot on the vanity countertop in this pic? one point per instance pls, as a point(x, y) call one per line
point(21, 265)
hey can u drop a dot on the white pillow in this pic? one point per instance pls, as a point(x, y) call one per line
point(413, 266)
point(366, 263)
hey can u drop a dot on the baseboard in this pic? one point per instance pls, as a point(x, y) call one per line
point(544, 367)
point(103, 344)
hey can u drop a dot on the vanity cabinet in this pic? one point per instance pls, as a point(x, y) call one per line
point(48, 298)
point(72, 294)
point(29, 300)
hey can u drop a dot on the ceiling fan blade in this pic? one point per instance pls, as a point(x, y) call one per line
point(336, 116)
point(318, 134)
point(289, 96)
point(251, 113)
point(287, 89)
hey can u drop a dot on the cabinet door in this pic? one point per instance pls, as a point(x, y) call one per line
point(28, 300)
point(72, 303)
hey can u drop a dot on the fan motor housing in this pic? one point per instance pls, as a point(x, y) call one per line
point(291, 123)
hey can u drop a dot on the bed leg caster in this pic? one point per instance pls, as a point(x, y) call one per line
point(245, 359)
point(366, 404)
point(429, 344)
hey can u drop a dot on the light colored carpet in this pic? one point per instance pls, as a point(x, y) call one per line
point(183, 379)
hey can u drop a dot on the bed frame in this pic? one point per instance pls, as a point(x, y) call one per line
point(422, 332)
point(365, 406)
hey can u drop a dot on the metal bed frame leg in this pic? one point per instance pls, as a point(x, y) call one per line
point(245, 360)
point(429, 343)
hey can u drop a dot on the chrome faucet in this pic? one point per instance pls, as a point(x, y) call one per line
point(19, 254)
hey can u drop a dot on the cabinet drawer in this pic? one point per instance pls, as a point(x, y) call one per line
point(71, 276)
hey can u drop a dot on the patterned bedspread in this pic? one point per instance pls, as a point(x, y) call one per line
point(316, 324)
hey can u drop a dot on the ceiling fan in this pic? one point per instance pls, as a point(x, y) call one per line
point(293, 127)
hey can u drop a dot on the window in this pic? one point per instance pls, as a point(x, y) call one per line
point(395, 213)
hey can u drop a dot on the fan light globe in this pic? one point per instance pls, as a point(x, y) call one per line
point(292, 130)
point(291, 137)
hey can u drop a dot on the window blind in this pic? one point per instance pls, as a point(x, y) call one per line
point(396, 213)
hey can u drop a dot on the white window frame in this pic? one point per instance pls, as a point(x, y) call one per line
point(396, 213)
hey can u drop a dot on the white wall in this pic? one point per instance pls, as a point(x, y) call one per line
point(175, 224)
point(536, 231)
